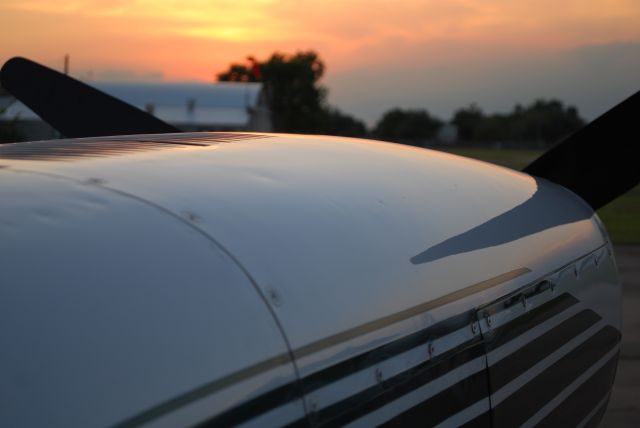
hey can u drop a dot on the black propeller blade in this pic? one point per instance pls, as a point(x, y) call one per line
point(72, 107)
point(600, 161)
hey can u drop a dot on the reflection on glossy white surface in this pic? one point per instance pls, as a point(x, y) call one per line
point(317, 217)
point(110, 306)
point(331, 229)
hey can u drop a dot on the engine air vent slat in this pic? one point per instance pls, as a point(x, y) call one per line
point(70, 149)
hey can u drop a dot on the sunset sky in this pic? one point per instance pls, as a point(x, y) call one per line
point(434, 54)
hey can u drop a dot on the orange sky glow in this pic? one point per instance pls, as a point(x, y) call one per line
point(186, 40)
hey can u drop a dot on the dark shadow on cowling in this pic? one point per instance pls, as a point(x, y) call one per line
point(542, 211)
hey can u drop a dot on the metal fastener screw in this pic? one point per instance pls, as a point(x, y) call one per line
point(96, 181)
point(474, 327)
point(313, 406)
point(487, 318)
point(432, 349)
point(192, 217)
point(379, 375)
point(274, 296)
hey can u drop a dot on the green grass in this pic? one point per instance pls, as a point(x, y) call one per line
point(621, 217)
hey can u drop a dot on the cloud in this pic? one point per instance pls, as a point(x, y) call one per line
point(430, 53)
point(592, 77)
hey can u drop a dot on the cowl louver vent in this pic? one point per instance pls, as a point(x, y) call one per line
point(70, 149)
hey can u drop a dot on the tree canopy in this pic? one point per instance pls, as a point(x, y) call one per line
point(298, 103)
point(408, 126)
point(336, 122)
point(543, 121)
point(296, 98)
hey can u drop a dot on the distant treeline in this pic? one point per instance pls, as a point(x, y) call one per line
point(541, 123)
point(298, 104)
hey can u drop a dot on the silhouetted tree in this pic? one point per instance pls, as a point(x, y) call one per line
point(546, 121)
point(407, 126)
point(542, 122)
point(467, 121)
point(339, 123)
point(296, 99)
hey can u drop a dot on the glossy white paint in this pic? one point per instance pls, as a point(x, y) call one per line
point(110, 306)
point(592, 292)
point(336, 233)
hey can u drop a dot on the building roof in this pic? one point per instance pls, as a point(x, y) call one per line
point(219, 104)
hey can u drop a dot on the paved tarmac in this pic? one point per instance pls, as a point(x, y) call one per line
point(624, 406)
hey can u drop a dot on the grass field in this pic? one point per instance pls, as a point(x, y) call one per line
point(621, 217)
